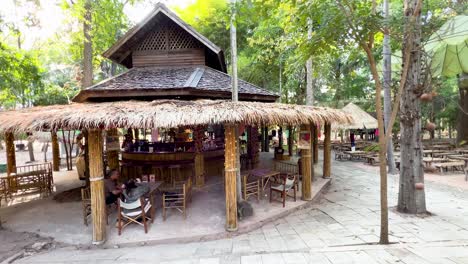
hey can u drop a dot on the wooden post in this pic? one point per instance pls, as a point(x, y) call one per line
point(312, 148)
point(280, 137)
point(290, 141)
point(327, 152)
point(98, 203)
point(55, 151)
point(316, 152)
point(306, 165)
point(262, 139)
point(112, 146)
point(10, 152)
point(267, 141)
point(254, 146)
point(199, 158)
point(230, 170)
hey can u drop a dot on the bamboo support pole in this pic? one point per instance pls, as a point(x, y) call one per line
point(199, 169)
point(10, 152)
point(112, 153)
point(230, 171)
point(327, 151)
point(98, 204)
point(306, 164)
point(199, 157)
point(316, 141)
point(55, 151)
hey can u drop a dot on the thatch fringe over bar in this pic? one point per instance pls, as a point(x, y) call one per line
point(164, 113)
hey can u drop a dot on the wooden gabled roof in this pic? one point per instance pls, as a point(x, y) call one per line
point(121, 51)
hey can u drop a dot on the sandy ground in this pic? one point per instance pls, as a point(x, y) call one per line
point(205, 215)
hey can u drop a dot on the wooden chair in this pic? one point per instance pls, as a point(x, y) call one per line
point(289, 183)
point(176, 200)
point(86, 204)
point(132, 212)
point(250, 188)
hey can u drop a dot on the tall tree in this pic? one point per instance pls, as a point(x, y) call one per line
point(87, 46)
point(235, 91)
point(387, 86)
point(411, 195)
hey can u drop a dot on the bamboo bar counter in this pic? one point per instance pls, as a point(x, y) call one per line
point(158, 158)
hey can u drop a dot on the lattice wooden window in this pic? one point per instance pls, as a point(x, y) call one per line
point(168, 37)
point(179, 39)
point(156, 40)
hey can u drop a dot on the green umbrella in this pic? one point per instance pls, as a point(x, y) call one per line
point(448, 48)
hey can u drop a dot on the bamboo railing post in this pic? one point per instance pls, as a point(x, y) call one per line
point(112, 139)
point(316, 142)
point(55, 151)
point(199, 157)
point(10, 152)
point(306, 164)
point(230, 171)
point(327, 151)
point(98, 204)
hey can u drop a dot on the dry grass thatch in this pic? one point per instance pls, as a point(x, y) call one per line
point(164, 113)
point(361, 118)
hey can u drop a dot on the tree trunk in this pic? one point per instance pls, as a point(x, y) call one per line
point(31, 148)
point(462, 118)
point(315, 154)
point(87, 47)
point(327, 151)
point(10, 152)
point(411, 199)
point(387, 86)
point(307, 169)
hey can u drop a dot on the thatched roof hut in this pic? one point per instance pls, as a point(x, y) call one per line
point(164, 113)
point(361, 118)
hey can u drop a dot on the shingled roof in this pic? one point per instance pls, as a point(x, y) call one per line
point(184, 82)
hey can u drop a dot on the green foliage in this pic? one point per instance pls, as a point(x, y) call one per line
point(20, 77)
point(108, 23)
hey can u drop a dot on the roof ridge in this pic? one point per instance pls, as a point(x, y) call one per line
point(246, 82)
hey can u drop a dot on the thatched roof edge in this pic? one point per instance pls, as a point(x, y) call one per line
point(165, 113)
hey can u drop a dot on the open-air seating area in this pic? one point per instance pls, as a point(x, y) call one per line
point(27, 179)
point(442, 157)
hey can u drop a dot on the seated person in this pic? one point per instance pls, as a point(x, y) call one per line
point(134, 190)
point(111, 188)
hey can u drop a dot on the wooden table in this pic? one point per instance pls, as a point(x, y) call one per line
point(356, 154)
point(264, 175)
point(462, 151)
point(429, 161)
point(430, 152)
point(464, 158)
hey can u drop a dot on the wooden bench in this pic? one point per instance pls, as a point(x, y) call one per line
point(453, 165)
point(35, 178)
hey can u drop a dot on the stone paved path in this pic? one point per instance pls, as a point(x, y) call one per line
point(342, 228)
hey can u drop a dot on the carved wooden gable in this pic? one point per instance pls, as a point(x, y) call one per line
point(168, 44)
